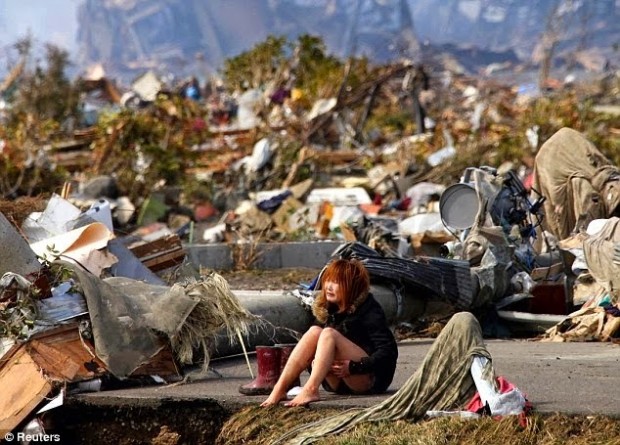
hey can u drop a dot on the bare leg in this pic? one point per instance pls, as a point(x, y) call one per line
point(300, 358)
point(331, 345)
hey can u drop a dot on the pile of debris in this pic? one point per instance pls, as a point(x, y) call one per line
point(83, 309)
point(95, 286)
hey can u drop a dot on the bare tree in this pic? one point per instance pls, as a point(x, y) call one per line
point(549, 41)
point(556, 28)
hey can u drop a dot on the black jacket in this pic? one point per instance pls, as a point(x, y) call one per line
point(367, 327)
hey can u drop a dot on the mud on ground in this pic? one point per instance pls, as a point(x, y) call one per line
point(165, 422)
point(269, 279)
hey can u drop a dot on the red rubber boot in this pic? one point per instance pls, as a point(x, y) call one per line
point(285, 353)
point(268, 360)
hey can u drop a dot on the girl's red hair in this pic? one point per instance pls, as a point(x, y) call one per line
point(352, 277)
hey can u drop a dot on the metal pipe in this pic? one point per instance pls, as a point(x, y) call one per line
point(285, 318)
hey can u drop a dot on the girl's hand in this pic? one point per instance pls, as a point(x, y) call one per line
point(340, 368)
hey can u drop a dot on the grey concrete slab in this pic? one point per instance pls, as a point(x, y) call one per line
point(313, 255)
point(570, 378)
point(210, 256)
point(270, 256)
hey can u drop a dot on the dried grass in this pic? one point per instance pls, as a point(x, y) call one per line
point(245, 254)
point(218, 310)
point(551, 430)
point(255, 426)
point(17, 210)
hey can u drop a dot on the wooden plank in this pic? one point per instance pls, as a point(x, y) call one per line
point(155, 255)
point(161, 364)
point(545, 273)
point(160, 254)
point(57, 333)
point(165, 261)
point(56, 364)
point(67, 346)
point(163, 244)
point(24, 387)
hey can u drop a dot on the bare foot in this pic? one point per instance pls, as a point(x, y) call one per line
point(304, 398)
point(274, 398)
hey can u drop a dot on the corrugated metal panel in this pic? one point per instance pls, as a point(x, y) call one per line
point(449, 279)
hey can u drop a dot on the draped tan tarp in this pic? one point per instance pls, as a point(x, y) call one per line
point(579, 182)
point(586, 324)
point(442, 382)
point(602, 253)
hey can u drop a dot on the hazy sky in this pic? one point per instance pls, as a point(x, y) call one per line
point(51, 21)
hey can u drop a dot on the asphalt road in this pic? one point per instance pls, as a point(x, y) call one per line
point(570, 378)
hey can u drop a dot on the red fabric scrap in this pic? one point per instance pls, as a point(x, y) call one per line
point(475, 404)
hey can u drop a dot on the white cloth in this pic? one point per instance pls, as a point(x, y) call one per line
point(501, 404)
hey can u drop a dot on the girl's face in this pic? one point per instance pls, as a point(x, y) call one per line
point(332, 292)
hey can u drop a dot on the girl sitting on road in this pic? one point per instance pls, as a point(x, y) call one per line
point(350, 347)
